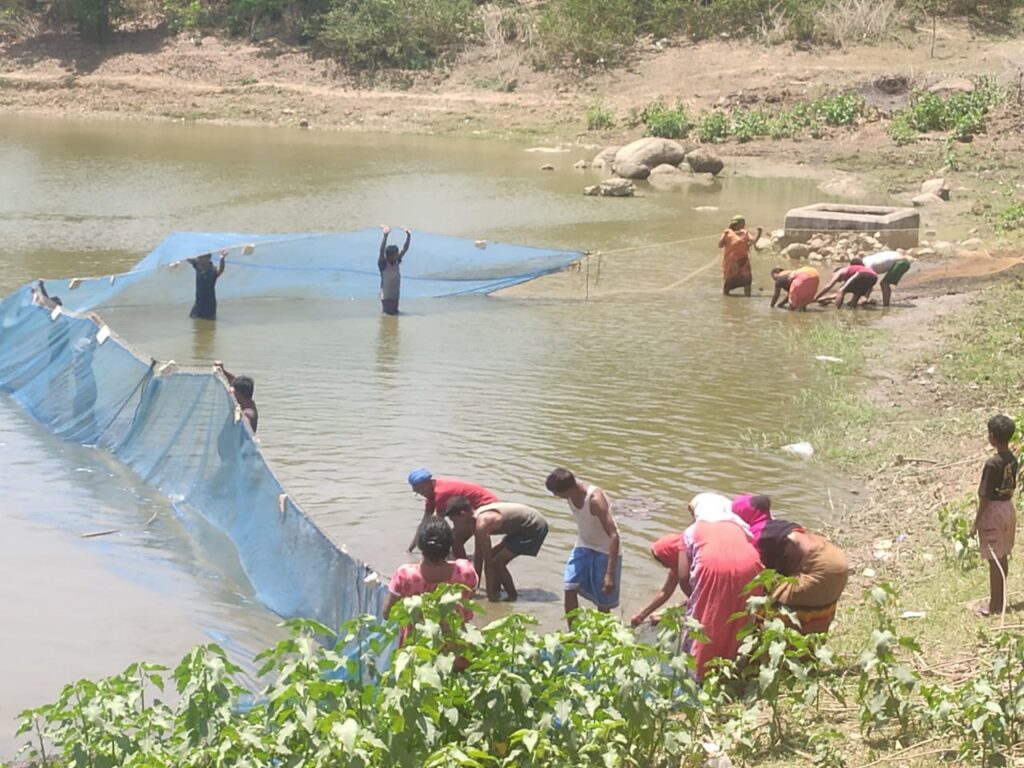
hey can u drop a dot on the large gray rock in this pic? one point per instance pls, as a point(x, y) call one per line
point(605, 157)
point(952, 85)
point(926, 199)
point(702, 160)
point(629, 170)
point(937, 187)
point(651, 152)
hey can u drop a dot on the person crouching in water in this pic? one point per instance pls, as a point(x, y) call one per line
point(524, 530)
point(800, 286)
point(819, 567)
point(995, 524)
point(735, 244)
point(434, 540)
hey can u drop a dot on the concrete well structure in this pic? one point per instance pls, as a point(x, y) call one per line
point(896, 227)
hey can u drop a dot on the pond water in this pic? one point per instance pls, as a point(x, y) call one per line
point(632, 370)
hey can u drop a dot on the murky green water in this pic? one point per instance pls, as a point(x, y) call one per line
point(654, 394)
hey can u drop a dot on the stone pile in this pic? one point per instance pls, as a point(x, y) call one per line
point(842, 247)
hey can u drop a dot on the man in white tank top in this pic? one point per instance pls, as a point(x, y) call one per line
point(389, 262)
point(594, 568)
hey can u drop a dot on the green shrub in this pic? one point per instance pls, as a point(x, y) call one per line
point(964, 115)
point(586, 31)
point(713, 127)
point(403, 34)
point(1012, 217)
point(749, 124)
point(664, 121)
point(843, 109)
point(599, 118)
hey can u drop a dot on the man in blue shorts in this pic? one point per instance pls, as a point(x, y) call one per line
point(524, 530)
point(594, 568)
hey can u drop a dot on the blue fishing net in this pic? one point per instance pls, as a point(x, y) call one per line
point(181, 431)
point(326, 266)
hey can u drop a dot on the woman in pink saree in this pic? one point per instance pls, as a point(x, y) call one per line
point(716, 563)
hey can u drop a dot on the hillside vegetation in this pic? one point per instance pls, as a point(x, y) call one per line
point(370, 35)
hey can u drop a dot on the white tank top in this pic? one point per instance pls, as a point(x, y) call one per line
point(591, 533)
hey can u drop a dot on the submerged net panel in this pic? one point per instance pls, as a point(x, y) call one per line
point(331, 265)
point(179, 431)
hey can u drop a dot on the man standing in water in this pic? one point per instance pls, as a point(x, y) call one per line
point(389, 262)
point(735, 244)
point(594, 569)
point(205, 307)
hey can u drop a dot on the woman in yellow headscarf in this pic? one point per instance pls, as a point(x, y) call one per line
point(735, 244)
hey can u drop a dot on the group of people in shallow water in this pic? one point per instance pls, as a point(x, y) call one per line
point(855, 281)
point(711, 562)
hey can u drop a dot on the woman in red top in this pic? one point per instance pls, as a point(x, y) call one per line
point(859, 280)
point(666, 551)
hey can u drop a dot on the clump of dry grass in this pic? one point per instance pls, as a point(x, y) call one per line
point(849, 22)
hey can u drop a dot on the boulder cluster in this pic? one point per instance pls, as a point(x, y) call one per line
point(657, 160)
point(842, 247)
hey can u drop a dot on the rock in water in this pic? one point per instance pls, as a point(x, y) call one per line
point(651, 152)
point(605, 157)
point(629, 170)
point(703, 160)
point(616, 188)
point(796, 251)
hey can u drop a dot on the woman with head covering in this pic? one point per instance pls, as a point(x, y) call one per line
point(434, 540)
point(735, 244)
point(800, 286)
point(820, 569)
point(712, 561)
point(755, 511)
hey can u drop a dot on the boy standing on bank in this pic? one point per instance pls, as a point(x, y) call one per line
point(594, 568)
point(996, 522)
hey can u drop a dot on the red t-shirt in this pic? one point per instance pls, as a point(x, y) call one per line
point(666, 551)
point(854, 269)
point(446, 488)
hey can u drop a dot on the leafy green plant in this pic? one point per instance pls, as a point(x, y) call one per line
point(713, 127)
point(664, 121)
point(963, 114)
point(841, 109)
point(886, 688)
point(599, 118)
point(990, 716)
point(1012, 217)
point(955, 520)
point(749, 124)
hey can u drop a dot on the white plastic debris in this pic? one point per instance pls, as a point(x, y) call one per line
point(102, 335)
point(371, 578)
point(802, 449)
point(247, 250)
point(869, 573)
point(56, 312)
point(828, 359)
point(913, 615)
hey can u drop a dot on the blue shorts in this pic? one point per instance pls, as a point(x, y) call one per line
point(584, 573)
point(526, 542)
